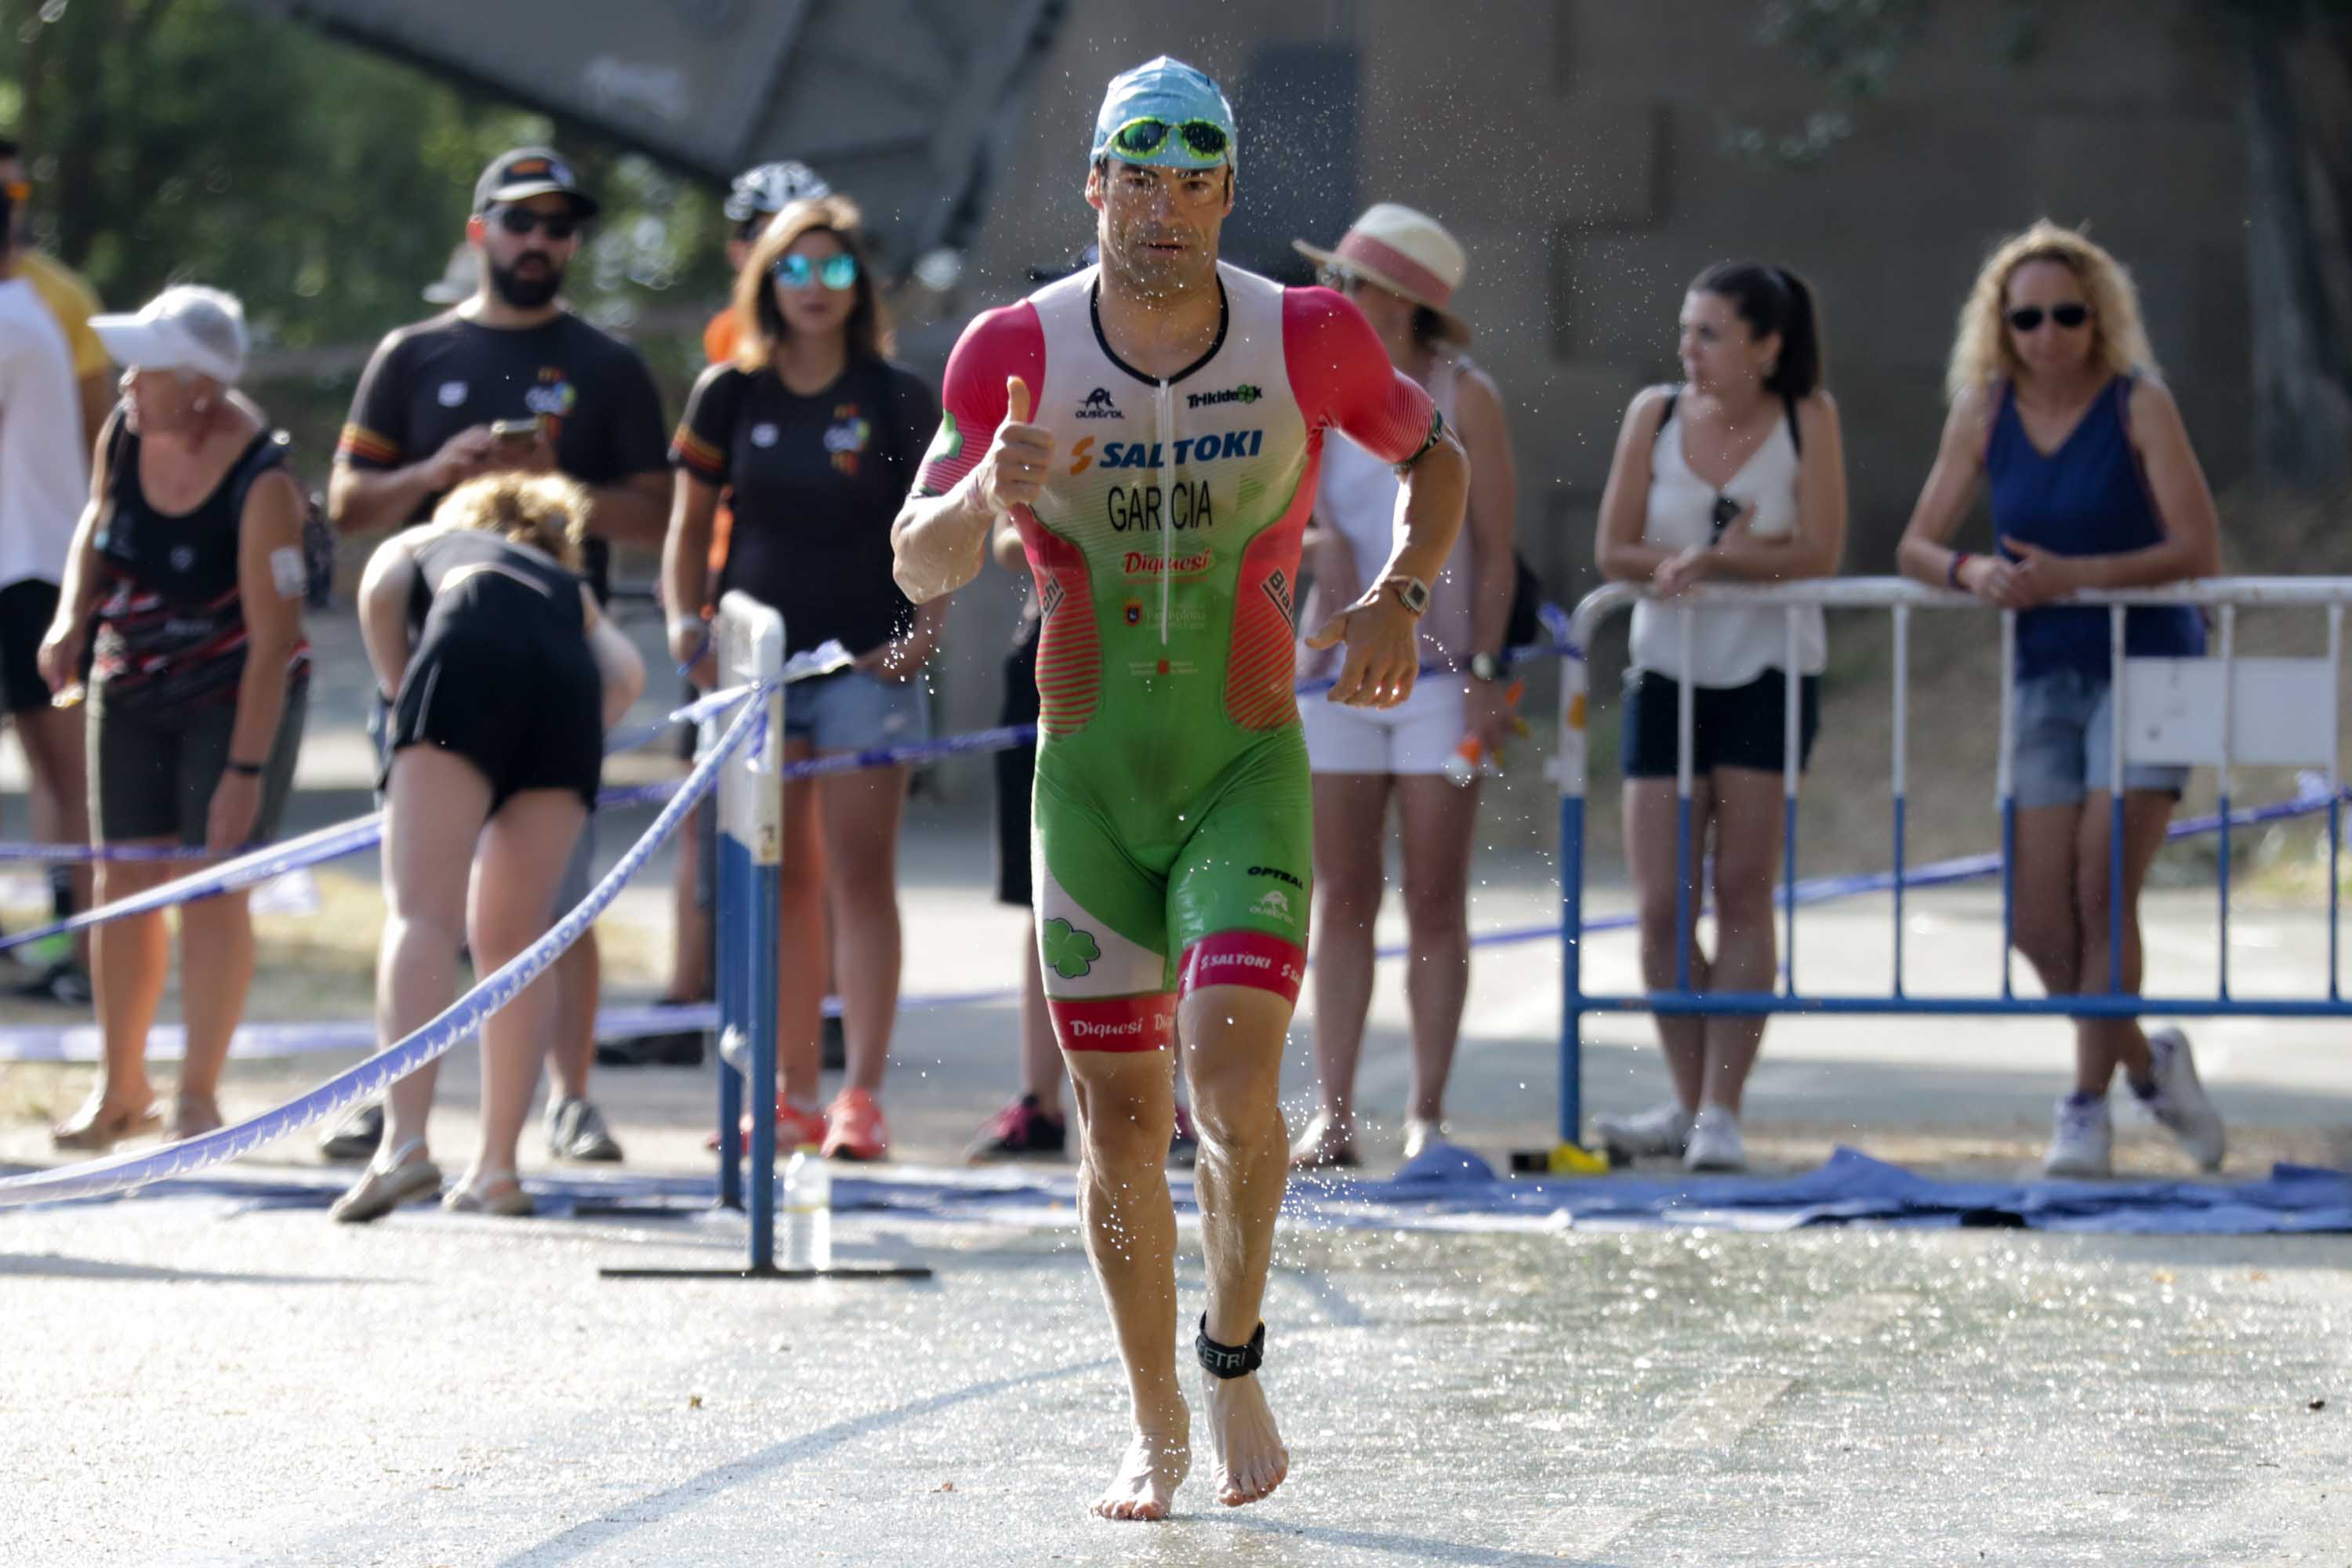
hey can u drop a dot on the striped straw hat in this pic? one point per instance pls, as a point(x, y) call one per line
point(1405, 252)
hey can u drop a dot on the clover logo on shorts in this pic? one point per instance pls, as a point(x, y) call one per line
point(1071, 952)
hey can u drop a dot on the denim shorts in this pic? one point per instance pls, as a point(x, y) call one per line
point(854, 711)
point(2065, 726)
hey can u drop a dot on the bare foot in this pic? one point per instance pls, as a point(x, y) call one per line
point(1250, 1460)
point(1145, 1487)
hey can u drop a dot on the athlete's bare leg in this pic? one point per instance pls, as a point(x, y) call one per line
point(1232, 1037)
point(1127, 1111)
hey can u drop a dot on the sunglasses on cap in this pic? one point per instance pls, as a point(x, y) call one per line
point(1144, 138)
point(520, 221)
point(2028, 318)
point(836, 272)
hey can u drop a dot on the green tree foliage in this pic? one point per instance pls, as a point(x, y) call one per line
point(188, 139)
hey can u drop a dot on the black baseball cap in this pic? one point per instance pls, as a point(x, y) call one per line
point(528, 171)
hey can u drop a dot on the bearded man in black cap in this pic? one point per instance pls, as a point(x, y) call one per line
point(510, 379)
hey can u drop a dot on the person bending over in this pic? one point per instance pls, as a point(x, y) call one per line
point(501, 677)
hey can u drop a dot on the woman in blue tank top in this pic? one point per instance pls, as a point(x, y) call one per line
point(2056, 405)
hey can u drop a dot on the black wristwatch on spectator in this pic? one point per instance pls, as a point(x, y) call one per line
point(1485, 666)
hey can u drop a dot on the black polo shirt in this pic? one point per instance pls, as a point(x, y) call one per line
point(814, 484)
point(429, 380)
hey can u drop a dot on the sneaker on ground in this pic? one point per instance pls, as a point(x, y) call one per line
point(1420, 1132)
point(794, 1126)
point(355, 1137)
point(1021, 1130)
point(2082, 1138)
point(66, 984)
point(2178, 1101)
point(675, 1048)
point(1661, 1132)
point(1715, 1143)
point(576, 1130)
point(854, 1128)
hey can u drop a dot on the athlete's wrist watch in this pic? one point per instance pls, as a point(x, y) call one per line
point(1485, 666)
point(1411, 592)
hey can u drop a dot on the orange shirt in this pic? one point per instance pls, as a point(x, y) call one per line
point(719, 340)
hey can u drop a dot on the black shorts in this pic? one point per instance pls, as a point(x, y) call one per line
point(529, 715)
point(1016, 773)
point(153, 771)
point(1731, 726)
point(27, 608)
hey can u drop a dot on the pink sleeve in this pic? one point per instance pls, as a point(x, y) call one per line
point(1342, 377)
point(1003, 343)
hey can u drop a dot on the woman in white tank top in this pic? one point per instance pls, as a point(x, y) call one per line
point(1401, 268)
point(1735, 476)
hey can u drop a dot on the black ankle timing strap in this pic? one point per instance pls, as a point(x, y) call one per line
point(1230, 1361)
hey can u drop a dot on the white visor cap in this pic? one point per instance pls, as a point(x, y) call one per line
point(186, 328)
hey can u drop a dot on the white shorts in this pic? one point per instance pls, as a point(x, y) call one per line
point(1416, 737)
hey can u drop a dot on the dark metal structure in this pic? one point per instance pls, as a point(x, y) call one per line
point(900, 101)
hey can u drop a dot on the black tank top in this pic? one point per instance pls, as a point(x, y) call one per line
point(536, 580)
point(171, 628)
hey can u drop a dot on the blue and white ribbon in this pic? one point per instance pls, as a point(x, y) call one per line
point(121, 1173)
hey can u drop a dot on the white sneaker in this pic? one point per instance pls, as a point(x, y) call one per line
point(1714, 1141)
point(2081, 1139)
point(1420, 1132)
point(1660, 1133)
point(2179, 1102)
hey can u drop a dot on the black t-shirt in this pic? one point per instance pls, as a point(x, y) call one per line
point(815, 483)
point(429, 380)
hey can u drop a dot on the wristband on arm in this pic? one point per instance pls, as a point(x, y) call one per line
point(1952, 574)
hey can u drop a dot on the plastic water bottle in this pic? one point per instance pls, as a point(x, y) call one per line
point(808, 1210)
point(1468, 762)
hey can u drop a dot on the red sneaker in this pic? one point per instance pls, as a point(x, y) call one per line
point(1022, 1128)
point(794, 1126)
point(855, 1128)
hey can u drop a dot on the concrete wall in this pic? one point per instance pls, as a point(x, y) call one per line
point(1574, 147)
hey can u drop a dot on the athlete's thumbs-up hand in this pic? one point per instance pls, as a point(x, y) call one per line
point(1013, 471)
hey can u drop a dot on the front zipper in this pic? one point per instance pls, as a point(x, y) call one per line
point(1164, 405)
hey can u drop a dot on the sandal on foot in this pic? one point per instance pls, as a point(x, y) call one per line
point(490, 1192)
point(94, 1129)
point(386, 1185)
point(194, 1119)
point(1326, 1144)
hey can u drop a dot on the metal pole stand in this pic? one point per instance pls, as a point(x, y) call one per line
point(749, 800)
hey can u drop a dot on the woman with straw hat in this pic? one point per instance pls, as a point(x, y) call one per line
point(1401, 269)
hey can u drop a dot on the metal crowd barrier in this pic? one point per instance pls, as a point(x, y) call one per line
point(2221, 712)
point(749, 638)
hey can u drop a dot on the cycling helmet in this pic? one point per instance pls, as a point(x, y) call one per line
point(768, 189)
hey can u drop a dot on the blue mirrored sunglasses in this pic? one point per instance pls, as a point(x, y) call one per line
point(837, 272)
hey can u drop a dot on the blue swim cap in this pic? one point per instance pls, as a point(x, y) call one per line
point(1174, 93)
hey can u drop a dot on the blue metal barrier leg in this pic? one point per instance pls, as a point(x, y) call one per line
point(731, 871)
point(1571, 958)
point(761, 1197)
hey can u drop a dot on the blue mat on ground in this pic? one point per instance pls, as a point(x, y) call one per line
point(1453, 1188)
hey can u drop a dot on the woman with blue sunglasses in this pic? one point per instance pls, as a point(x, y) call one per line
point(812, 434)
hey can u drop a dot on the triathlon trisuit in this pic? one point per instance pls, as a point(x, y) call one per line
point(1173, 841)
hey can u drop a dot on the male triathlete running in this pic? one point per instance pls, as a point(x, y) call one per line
point(1157, 422)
